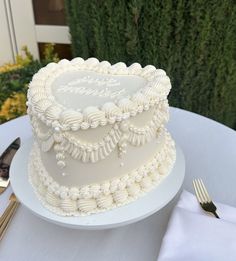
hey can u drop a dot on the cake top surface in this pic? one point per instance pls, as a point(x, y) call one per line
point(88, 93)
point(81, 88)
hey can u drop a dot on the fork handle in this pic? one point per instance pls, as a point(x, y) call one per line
point(215, 214)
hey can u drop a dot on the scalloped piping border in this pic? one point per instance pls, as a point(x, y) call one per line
point(64, 203)
point(42, 103)
point(120, 133)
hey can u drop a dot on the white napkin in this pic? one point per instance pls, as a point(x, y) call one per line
point(194, 235)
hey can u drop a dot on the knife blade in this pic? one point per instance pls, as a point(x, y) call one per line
point(5, 163)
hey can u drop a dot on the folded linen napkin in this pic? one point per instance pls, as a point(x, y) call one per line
point(194, 235)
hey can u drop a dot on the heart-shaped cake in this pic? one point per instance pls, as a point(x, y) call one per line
point(99, 134)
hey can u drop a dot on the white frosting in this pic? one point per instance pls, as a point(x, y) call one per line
point(68, 205)
point(71, 118)
point(105, 202)
point(52, 199)
point(97, 197)
point(86, 205)
point(89, 119)
point(134, 189)
point(111, 111)
point(121, 134)
point(72, 86)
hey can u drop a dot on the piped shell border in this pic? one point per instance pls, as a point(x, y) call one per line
point(42, 103)
point(98, 198)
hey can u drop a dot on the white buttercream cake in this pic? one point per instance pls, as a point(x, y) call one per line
point(99, 134)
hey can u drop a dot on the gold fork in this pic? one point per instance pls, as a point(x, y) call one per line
point(203, 197)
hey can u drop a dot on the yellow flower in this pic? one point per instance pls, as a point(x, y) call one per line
point(13, 106)
point(9, 67)
point(21, 60)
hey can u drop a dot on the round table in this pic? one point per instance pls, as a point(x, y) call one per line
point(210, 153)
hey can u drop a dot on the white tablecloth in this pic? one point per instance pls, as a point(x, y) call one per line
point(210, 151)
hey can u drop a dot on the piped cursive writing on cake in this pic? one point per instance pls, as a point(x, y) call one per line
point(96, 87)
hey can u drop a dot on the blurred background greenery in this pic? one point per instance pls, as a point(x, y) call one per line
point(194, 41)
point(14, 80)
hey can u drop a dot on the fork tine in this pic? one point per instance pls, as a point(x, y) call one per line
point(203, 197)
point(205, 191)
point(198, 194)
point(202, 190)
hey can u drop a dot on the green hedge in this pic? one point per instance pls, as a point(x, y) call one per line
point(194, 41)
point(15, 80)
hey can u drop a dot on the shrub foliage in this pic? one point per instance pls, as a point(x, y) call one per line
point(194, 41)
point(14, 80)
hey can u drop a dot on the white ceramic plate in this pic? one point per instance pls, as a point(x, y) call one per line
point(133, 212)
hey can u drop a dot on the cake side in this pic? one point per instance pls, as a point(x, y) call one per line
point(86, 156)
point(99, 197)
point(100, 137)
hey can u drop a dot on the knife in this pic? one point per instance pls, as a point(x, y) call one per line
point(5, 162)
